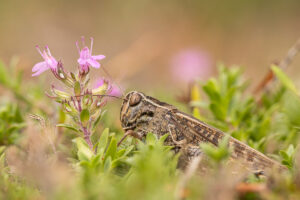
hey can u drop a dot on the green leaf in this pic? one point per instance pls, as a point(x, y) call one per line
point(291, 107)
point(96, 161)
point(218, 111)
point(3, 74)
point(163, 138)
point(73, 76)
point(2, 161)
point(151, 139)
point(84, 117)
point(60, 94)
point(212, 90)
point(290, 150)
point(120, 153)
point(2, 157)
point(112, 149)
point(107, 164)
point(219, 153)
point(84, 152)
point(101, 89)
point(102, 144)
point(288, 156)
point(196, 113)
point(77, 88)
point(224, 142)
point(16, 126)
point(68, 126)
point(61, 115)
point(2, 149)
point(284, 155)
point(286, 163)
point(128, 150)
point(96, 122)
point(284, 79)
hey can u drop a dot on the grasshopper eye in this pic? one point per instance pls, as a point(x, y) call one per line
point(135, 99)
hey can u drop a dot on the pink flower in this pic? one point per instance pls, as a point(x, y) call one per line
point(114, 90)
point(48, 63)
point(86, 59)
point(190, 64)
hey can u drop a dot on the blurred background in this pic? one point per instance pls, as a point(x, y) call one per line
point(148, 42)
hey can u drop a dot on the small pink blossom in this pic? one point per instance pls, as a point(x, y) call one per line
point(48, 63)
point(86, 59)
point(190, 64)
point(114, 90)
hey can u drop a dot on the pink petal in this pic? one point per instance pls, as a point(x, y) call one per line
point(93, 63)
point(190, 64)
point(39, 71)
point(81, 61)
point(98, 57)
point(38, 66)
point(52, 63)
point(99, 82)
point(84, 67)
point(85, 53)
point(115, 91)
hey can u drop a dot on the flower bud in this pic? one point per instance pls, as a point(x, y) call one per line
point(102, 89)
point(85, 117)
point(96, 114)
point(61, 75)
point(87, 100)
point(73, 76)
point(77, 88)
point(60, 94)
point(70, 109)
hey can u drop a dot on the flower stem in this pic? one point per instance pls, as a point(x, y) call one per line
point(87, 137)
point(85, 130)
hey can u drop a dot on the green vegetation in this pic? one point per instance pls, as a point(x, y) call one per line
point(38, 161)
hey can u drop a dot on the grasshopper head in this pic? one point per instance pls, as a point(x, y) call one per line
point(135, 110)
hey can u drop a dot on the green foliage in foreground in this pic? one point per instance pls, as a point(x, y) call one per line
point(11, 124)
point(147, 169)
point(267, 122)
point(217, 154)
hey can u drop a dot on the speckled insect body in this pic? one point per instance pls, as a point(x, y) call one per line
point(142, 114)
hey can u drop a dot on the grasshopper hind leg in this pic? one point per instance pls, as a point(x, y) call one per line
point(187, 151)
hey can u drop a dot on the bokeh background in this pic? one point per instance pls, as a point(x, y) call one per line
point(146, 41)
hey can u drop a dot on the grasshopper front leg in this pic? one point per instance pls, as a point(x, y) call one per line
point(131, 133)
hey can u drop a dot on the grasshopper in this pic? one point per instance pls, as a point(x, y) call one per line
point(141, 114)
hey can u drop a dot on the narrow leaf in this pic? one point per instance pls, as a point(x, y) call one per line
point(112, 149)
point(284, 79)
point(84, 116)
point(68, 126)
point(107, 164)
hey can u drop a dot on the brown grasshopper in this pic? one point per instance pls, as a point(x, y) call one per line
point(141, 114)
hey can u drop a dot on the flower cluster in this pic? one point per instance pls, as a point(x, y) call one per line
point(83, 104)
point(85, 60)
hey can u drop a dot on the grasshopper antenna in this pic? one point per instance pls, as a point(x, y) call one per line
point(100, 95)
point(107, 95)
point(111, 79)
